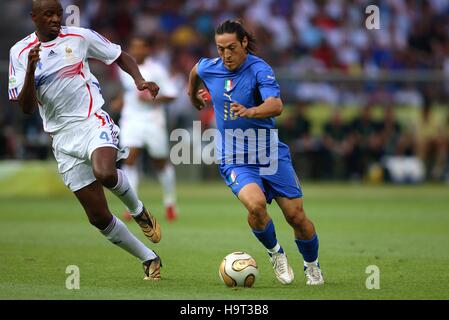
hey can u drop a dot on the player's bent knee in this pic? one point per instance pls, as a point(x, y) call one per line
point(257, 209)
point(100, 222)
point(296, 217)
point(107, 178)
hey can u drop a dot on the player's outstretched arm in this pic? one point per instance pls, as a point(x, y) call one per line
point(272, 107)
point(129, 65)
point(28, 96)
point(197, 97)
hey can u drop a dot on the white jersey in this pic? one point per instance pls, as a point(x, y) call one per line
point(135, 109)
point(67, 92)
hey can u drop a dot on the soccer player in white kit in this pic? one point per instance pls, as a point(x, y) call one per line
point(49, 71)
point(143, 123)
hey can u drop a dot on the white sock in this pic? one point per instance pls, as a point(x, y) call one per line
point(132, 173)
point(276, 248)
point(126, 194)
point(118, 234)
point(314, 263)
point(167, 178)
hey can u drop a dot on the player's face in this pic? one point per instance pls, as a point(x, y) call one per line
point(47, 18)
point(231, 50)
point(139, 50)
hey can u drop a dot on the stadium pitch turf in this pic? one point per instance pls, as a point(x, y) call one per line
point(403, 230)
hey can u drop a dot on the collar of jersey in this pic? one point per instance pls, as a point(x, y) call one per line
point(239, 68)
point(49, 43)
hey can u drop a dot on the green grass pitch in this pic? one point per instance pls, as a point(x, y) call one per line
point(404, 230)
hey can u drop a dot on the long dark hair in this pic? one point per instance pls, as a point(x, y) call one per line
point(236, 26)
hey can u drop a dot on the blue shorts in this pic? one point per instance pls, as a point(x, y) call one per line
point(284, 183)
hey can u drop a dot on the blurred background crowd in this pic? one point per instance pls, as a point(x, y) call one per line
point(360, 104)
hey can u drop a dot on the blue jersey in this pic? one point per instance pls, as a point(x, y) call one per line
point(250, 85)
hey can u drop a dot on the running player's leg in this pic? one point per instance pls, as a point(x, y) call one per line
point(131, 171)
point(167, 178)
point(286, 189)
point(253, 198)
point(93, 200)
point(305, 237)
point(104, 168)
point(293, 211)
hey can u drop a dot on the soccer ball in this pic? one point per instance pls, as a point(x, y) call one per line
point(238, 269)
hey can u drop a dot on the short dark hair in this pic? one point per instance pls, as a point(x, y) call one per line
point(236, 26)
point(36, 5)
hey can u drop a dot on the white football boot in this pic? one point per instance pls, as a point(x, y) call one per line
point(282, 270)
point(313, 273)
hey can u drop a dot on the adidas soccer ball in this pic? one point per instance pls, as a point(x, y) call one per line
point(238, 269)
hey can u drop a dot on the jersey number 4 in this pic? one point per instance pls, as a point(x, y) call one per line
point(104, 136)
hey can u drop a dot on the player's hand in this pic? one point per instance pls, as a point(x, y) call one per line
point(204, 97)
point(34, 57)
point(242, 111)
point(152, 87)
point(145, 95)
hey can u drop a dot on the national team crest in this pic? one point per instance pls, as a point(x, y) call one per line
point(232, 178)
point(69, 56)
point(229, 85)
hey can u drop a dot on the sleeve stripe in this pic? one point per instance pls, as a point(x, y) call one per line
point(12, 70)
point(12, 94)
point(100, 36)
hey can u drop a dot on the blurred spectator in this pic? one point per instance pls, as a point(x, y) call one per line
point(400, 163)
point(446, 134)
point(296, 131)
point(432, 143)
point(390, 131)
point(365, 135)
point(336, 146)
point(8, 141)
point(296, 128)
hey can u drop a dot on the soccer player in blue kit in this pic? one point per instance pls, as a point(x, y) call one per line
point(246, 99)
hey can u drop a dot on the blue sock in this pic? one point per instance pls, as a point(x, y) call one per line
point(308, 248)
point(268, 236)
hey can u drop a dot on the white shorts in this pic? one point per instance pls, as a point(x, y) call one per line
point(73, 148)
point(140, 133)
